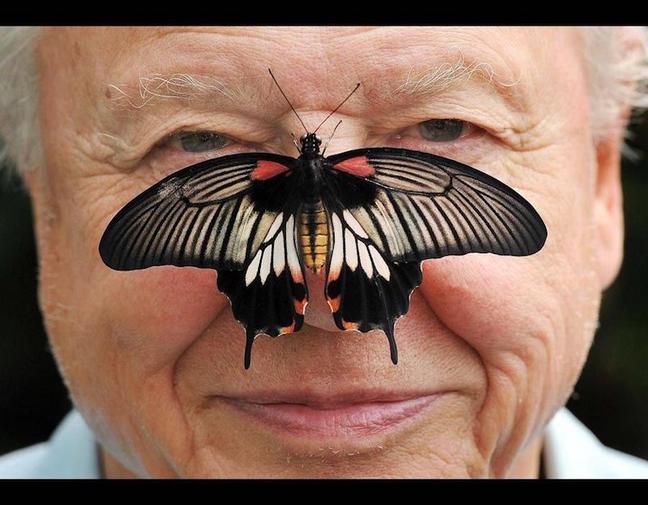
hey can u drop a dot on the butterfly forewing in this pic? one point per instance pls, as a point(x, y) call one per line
point(424, 206)
point(211, 215)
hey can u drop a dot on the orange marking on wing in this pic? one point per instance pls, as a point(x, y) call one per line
point(334, 303)
point(266, 170)
point(300, 306)
point(297, 276)
point(287, 329)
point(358, 166)
point(349, 325)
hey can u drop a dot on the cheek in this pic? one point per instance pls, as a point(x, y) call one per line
point(484, 299)
point(530, 318)
point(156, 314)
point(497, 302)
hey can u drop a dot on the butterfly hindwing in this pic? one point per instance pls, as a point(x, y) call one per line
point(269, 294)
point(417, 205)
point(365, 290)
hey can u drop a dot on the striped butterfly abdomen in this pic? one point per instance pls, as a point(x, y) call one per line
point(313, 235)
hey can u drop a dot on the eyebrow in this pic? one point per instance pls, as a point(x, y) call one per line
point(434, 80)
point(159, 87)
point(418, 82)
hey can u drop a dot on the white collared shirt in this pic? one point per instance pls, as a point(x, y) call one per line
point(570, 451)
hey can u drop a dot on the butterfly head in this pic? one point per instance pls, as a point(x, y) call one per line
point(310, 144)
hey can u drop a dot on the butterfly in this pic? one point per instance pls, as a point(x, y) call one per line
point(367, 217)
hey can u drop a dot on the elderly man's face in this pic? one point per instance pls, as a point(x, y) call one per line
point(491, 346)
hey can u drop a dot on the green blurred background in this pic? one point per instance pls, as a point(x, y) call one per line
point(611, 397)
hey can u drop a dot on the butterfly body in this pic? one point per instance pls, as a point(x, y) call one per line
point(313, 219)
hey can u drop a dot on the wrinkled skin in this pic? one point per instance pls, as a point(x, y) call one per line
point(143, 353)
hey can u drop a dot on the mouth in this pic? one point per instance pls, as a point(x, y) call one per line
point(332, 418)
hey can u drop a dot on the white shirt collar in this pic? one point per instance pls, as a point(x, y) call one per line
point(571, 451)
point(72, 451)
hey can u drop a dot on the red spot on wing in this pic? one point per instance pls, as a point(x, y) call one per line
point(297, 276)
point(358, 166)
point(267, 170)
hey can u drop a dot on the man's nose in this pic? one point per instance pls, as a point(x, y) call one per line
point(318, 312)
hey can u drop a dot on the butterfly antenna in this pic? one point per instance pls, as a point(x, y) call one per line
point(295, 142)
point(336, 109)
point(291, 105)
point(331, 137)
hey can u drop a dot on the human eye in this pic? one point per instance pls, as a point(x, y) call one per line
point(443, 130)
point(197, 141)
point(440, 130)
point(449, 137)
point(186, 147)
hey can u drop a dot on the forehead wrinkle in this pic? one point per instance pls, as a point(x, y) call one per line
point(160, 67)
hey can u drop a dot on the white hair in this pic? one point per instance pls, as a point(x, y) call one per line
point(19, 130)
point(616, 60)
point(617, 64)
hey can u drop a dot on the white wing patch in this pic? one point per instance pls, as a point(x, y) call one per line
point(353, 223)
point(365, 260)
point(265, 264)
point(278, 258)
point(350, 250)
point(274, 227)
point(337, 256)
point(253, 268)
point(381, 265)
point(278, 250)
point(291, 251)
point(352, 245)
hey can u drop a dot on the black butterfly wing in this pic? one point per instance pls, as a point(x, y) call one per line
point(212, 215)
point(411, 206)
point(417, 206)
point(269, 295)
point(364, 289)
point(235, 214)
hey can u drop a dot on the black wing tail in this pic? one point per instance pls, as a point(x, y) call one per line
point(366, 304)
point(269, 295)
point(364, 289)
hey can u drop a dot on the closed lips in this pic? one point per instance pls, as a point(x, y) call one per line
point(332, 417)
